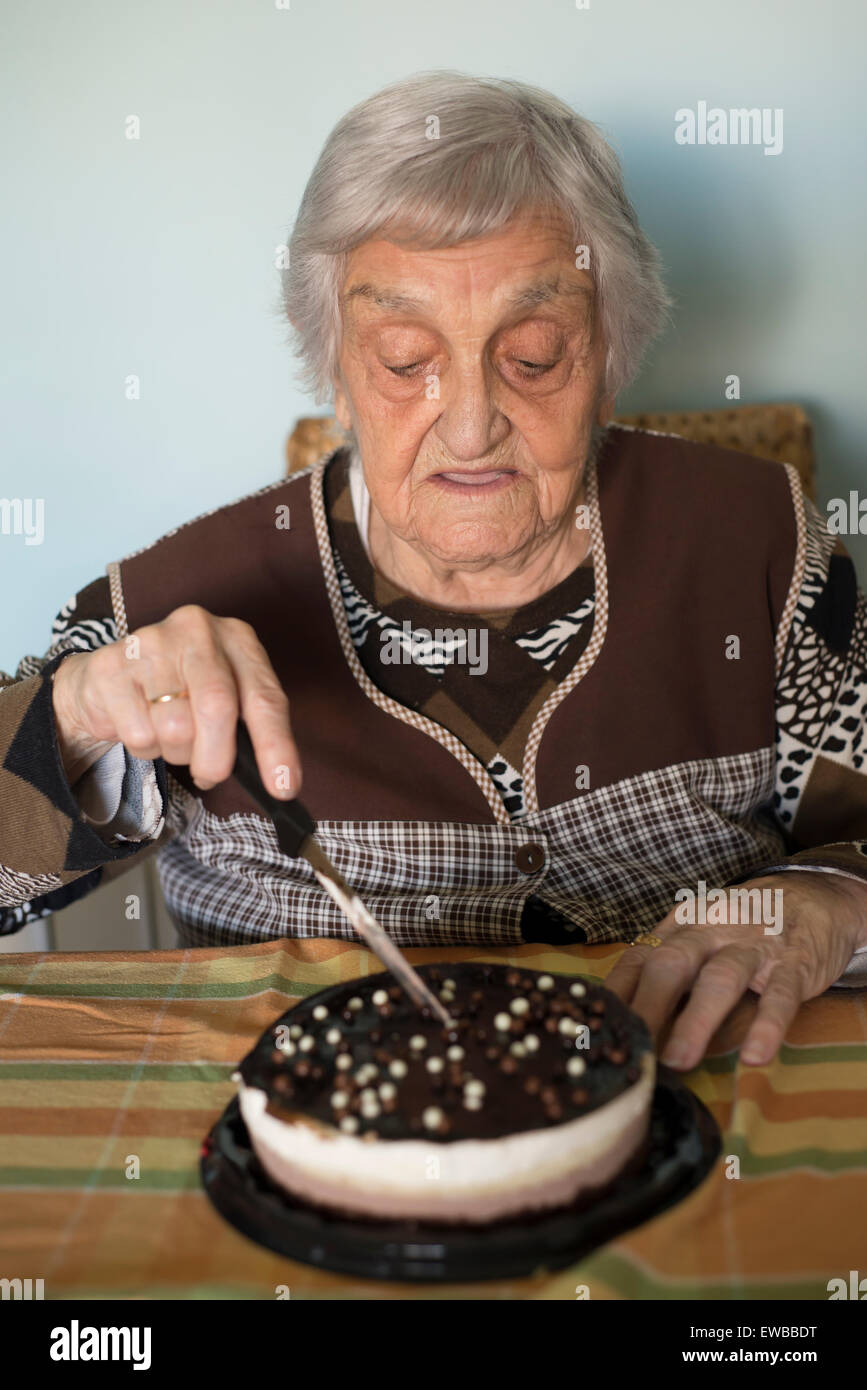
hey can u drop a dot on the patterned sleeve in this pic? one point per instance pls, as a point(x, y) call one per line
point(57, 842)
point(820, 793)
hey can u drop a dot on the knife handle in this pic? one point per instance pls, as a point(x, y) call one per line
point(292, 816)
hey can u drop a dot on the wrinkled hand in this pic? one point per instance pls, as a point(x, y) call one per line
point(106, 696)
point(824, 920)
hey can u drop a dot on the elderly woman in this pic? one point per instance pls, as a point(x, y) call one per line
point(549, 679)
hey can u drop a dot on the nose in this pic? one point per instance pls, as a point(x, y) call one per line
point(470, 423)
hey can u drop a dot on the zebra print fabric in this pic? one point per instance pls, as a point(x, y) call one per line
point(544, 644)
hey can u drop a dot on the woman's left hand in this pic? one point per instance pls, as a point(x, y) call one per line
point(824, 921)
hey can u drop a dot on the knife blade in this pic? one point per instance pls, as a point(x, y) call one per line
point(296, 835)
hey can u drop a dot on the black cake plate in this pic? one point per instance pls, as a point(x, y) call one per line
point(683, 1144)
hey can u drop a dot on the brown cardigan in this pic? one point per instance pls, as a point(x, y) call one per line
point(698, 543)
point(718, 706)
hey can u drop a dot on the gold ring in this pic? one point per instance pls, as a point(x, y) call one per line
point(647, 939)
point(174, 695)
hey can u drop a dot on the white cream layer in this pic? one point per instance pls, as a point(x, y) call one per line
point(306, 1156)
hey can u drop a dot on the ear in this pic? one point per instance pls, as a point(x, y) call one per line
point(604, 410)
point(341, 407)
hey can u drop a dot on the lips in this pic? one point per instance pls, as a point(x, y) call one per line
point(477, 479)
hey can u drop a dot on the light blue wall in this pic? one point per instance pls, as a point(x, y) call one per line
point(156, 257)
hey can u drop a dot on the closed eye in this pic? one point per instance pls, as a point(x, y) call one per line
point(534, 368)
point(405, 371)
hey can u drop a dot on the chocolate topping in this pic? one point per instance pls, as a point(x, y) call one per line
point(504, 1064)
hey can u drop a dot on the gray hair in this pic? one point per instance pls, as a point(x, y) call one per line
point(499, 148)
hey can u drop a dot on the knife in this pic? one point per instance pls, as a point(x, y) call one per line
point(296, 835)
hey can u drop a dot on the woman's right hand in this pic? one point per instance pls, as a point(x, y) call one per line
point(103, 697)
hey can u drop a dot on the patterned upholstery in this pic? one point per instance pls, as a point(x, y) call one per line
point(780, 432)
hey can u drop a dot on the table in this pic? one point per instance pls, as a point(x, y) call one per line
point(109, 1057)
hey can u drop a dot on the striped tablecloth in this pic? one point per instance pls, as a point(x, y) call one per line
point(105, 1058)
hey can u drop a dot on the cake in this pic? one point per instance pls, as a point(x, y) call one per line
point(539, 1096)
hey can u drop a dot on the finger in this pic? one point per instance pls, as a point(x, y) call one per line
point(214, 701)
point(624, 976)
point(117, 710)
point(155, 674)
point(780, 1001)
point(126, 705)
point(668, 974)
point(265, 710)
point(721, 982)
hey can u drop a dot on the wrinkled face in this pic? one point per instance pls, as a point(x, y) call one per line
point(472, 378)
